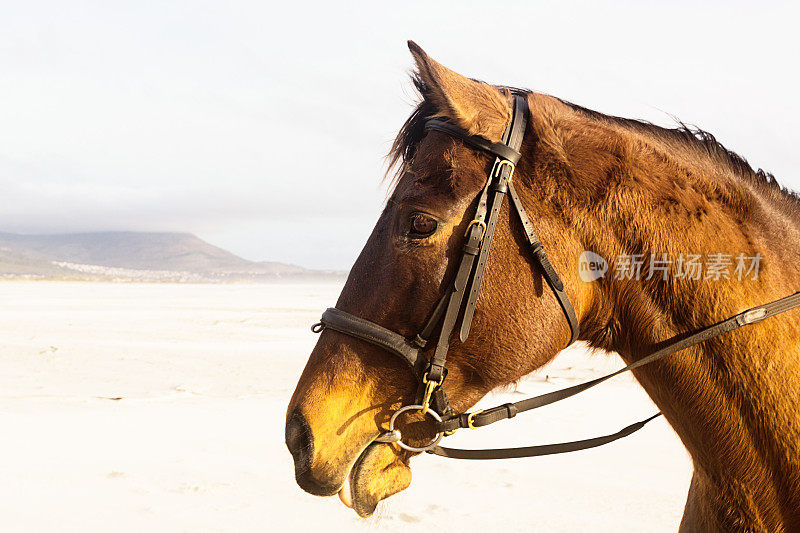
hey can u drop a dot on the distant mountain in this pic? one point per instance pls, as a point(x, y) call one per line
point(115, 253)
point(22, 264)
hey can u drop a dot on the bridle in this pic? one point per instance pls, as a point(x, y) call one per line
point(430, 374)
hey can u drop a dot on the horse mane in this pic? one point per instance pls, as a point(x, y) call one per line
point(703, 142)
point(412, 131)
point(707, 145)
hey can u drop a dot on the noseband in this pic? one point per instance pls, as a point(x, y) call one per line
point(430, 374)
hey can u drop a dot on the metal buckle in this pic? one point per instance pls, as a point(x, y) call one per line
point(471, 418)
point(752, 316)
point(480, 223)
point(393, 435)
point(430, 386)
point(498, 168)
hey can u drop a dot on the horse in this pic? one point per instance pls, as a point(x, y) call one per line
point(591, 183)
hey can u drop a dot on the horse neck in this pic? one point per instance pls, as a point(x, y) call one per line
point(734, 401)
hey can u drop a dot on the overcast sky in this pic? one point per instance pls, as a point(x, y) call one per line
point(263, 128)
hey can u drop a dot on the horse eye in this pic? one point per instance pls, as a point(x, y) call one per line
point(422, 225)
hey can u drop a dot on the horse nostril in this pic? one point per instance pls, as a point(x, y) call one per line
point(300, 442)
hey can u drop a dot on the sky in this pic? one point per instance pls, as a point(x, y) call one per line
point(263, 127)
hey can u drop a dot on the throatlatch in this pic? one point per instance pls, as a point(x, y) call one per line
point(431, 397)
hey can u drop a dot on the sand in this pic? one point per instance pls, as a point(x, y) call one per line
point(160, 407)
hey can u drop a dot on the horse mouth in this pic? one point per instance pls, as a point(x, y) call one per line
point(379, 472)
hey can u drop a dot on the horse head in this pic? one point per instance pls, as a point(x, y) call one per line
point(350, 388)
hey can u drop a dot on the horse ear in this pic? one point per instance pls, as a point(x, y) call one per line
point(477, 107)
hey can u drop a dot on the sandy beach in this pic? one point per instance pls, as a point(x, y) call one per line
point(160, 407)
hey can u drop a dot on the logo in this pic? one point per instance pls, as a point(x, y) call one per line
point(591, 266)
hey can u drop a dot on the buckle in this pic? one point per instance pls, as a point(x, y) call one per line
point(430, 386)
point(471, 418)
point(498, 168)
point(479, 223)
point(752, 316)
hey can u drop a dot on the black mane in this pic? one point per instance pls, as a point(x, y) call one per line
point(413, 130)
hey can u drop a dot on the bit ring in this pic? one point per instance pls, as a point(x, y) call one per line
point(433, 442)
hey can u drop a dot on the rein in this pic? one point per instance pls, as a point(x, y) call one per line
point(431, 398)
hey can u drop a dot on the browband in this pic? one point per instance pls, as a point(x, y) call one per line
point(476, 141)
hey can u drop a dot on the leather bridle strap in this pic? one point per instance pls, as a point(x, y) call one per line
point(360, 328)
point(509, 410)
point(397, 344)
point(549, 273)
point(501, 150)
point(478, 237)
point(500, 177)
point(470, 251)
point(543, 449)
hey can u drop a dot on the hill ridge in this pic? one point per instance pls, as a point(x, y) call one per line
point(58, 254)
